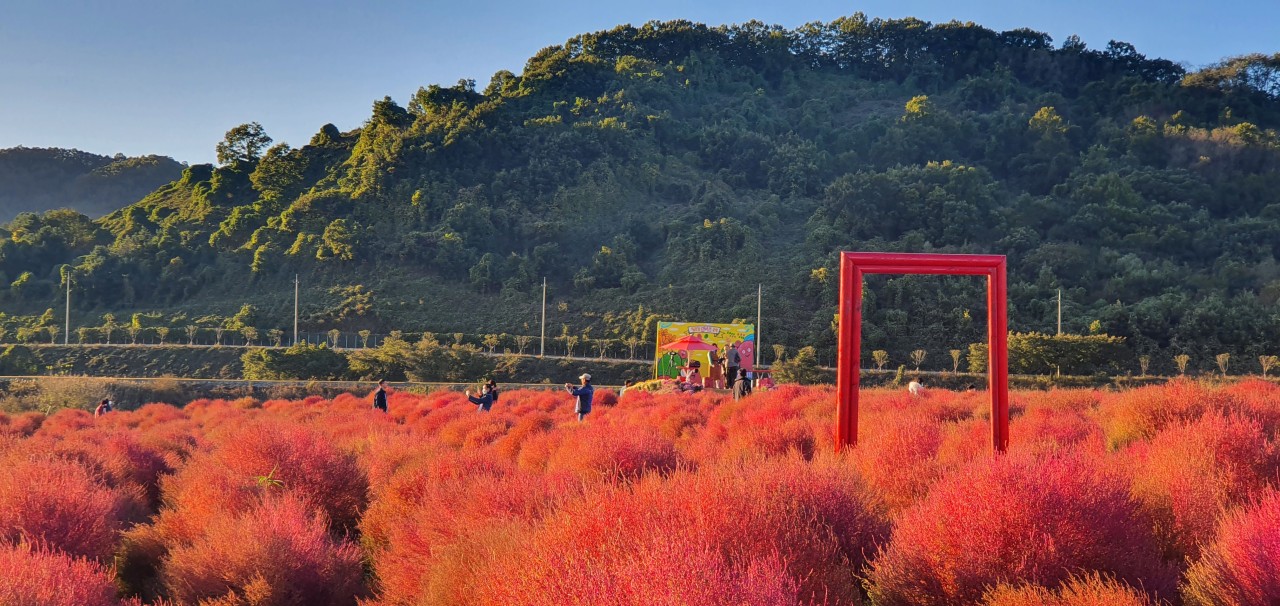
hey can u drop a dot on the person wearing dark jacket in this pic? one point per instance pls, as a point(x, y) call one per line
point(583, 394)
point(380, 396)
point(103, 408)
point(741, 387)
point(488, 396)
point(734, 360)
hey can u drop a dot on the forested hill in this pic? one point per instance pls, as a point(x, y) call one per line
point(39, 179)
point(677, 165)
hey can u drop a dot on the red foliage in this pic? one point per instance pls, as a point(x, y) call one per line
point(430, 525)
point(66, 422)
point(1243, 565)
point(598, 451)
point(1140, 414)
point(1016, 519)
point(58, 504)
point(37, 577)
point(299, 460)
point(116, 456)
point(278, 552)
point(896, 456)
point(1091, 590)
point(21, 425)
point(1045, 430)
point(1191, 473)
point(775, 532)
point(660, 498)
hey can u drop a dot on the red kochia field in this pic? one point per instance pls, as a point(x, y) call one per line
point(1156, 495)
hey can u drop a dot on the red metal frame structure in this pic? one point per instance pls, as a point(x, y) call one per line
point(854, 265)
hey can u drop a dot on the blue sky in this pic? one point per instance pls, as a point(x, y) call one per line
point(170, 77)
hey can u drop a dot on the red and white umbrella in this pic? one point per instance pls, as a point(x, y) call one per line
point(690, 343)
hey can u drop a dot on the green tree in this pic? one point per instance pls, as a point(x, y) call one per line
point(917, 357)
point(1181, 361)
point(109, 325)
point(390, 360)
point(299, 362)
point(338, 241)
point(880, 357)
point(802, 368)
point(243, 143)
point(280, 172)
point(1267, 363)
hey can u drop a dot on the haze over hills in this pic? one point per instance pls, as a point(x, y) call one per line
point(40, 179)
point(676, 166)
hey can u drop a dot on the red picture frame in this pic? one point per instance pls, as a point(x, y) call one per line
point(854, 265)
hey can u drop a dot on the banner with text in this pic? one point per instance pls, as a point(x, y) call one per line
point(669, 362)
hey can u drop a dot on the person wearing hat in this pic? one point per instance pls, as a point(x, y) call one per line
point(733, 360)
point(693, 374)
point(583, 395)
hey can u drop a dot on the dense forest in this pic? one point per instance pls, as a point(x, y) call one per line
point(38, 179)
point(674, 166)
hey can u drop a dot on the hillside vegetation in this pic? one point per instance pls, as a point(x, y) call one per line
point(675, 166)
point(38, 180)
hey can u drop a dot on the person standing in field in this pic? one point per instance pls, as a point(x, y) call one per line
point(583, 393)
point(914, 387)
point(103, 408)
point(488, 396)
point(741, 387)
point(380, 396)
point(734, 360)
point(715, 374)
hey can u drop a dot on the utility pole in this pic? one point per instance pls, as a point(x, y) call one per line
point(759, 306)
point(1059, 312)
point(542, 346)
point(66, 334)
point(295, 309)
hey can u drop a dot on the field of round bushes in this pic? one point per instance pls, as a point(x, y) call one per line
point(1158, 495)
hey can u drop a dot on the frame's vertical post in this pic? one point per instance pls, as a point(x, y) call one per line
point(998, 356)
point(850, 348)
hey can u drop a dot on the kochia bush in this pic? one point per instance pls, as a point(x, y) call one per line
point(776, 533)
point(39, 577)
point(1016, 519)
point(278, 552)
point(1243, 565)
point(1091, 590)
point(57, 504)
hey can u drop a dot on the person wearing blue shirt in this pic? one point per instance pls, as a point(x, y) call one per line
point(583, 394)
